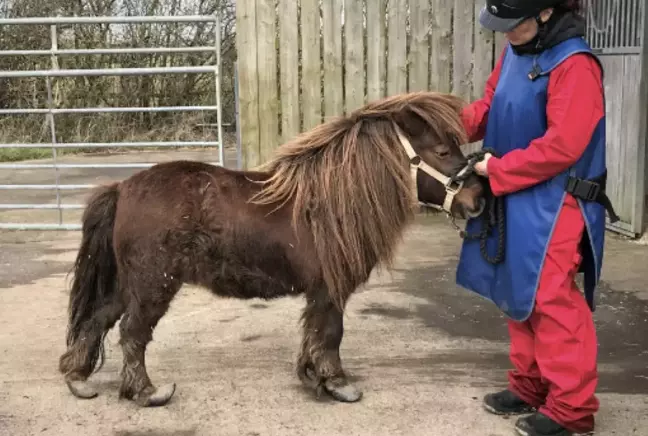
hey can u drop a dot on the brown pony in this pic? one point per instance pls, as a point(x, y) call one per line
point(315, 220)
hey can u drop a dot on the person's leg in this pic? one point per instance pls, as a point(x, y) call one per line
point(525, 379)
point(565, 337)
point(525, 392)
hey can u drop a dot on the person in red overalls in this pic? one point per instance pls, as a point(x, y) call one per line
point(543, 114)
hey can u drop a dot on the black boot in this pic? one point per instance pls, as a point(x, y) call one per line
point(541, 425)
point(506, 403)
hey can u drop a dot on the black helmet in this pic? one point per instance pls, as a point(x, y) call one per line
point(504, 15)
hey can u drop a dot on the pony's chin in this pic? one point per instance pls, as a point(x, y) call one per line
point(477, 212)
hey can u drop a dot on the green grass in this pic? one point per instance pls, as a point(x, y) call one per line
point(107, 128)
point(18, 154)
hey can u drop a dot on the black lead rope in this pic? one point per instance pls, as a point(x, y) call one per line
point(493, 215)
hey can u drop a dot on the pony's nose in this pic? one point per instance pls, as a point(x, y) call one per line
point(481, 205)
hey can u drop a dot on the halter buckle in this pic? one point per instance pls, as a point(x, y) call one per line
point(415, 161)
point(452, 190)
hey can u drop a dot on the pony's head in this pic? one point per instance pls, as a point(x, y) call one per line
point(430, 131)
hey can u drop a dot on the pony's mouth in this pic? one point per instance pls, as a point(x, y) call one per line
point(480, 209)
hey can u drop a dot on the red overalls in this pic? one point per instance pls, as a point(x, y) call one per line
point(554, 352)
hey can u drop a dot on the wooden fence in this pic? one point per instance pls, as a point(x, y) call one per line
point(303, 61)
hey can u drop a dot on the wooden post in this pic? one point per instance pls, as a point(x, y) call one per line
point(376, 49)
point(246, 45)
point(289, 69)
point(482, 54)
point(353, 55)
point(397, 42)
point(311, 86)
point(268, 94)
point(419, 59)
point(462, 48)
point(332, 41)
point(441, 45)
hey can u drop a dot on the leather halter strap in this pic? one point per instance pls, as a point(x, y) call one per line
point(452, 187)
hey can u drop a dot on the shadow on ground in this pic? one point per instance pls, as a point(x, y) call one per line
point(621, 319)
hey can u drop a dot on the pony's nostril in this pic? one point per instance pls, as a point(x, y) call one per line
point(480, 209)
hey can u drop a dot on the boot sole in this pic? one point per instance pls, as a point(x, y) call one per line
point(522, 432)
point(494, 411)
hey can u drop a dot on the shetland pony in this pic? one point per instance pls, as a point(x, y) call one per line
point(329, 207)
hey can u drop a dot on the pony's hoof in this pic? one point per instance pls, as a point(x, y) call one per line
point(81, 389)
point(346, 393)
point(159, 397)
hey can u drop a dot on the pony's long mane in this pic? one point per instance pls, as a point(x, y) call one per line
point(349, 181)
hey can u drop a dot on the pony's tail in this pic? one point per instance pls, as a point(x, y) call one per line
point(94, 305)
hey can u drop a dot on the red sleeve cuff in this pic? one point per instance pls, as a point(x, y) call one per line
point(494, 175)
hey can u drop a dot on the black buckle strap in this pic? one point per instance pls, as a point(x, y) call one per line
point(590, 190)
point(587, 190)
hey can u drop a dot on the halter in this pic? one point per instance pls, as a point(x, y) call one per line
point(495, 215)
point(453, 185)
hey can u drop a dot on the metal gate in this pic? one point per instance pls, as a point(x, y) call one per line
point(617, 31)
point(50, 111)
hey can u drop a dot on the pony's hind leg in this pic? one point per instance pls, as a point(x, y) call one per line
point(86, 349)
point(319, 364)
point(136, 329)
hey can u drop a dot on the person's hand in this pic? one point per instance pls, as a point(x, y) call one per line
point(481, 167)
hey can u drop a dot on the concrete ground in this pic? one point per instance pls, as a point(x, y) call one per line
point(423, 350)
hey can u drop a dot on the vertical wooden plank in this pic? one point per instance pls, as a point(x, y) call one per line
point(376, 49)
point(641, 196)
point(419, 58)
point(626, 140)
point(332, 40)
point(268, 94)
point(397, 42)
point(462, 48)
point(613, 68)
point(483, 48)
point(630, 144)
point(311, 86)
point(441, 45)
point(353, 55)
point(500, 44)
point(289, 69)
point(482, 54)
point(246, 45)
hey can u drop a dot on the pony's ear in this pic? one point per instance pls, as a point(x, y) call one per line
point(411, 123)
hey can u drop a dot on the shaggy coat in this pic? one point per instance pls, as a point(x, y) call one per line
point(315, 220)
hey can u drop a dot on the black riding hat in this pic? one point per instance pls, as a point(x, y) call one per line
point(505, 15)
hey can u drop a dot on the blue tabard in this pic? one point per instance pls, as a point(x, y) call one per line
point(517, 116)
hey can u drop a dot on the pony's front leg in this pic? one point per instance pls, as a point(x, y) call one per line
point(319, 364)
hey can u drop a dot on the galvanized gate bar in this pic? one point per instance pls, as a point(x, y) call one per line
point(160, 144)
point(105, 51)
point(109, 72)
point(90, 110)
point(135, 19)
point(38, 187)
point(51, 111)
point(71, 166)
point(42, 206)
point(615, 26)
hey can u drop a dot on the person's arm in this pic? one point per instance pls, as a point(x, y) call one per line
point(475, 115)
point(574, 108)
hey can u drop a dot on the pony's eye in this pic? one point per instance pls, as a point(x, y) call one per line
point(442, 154)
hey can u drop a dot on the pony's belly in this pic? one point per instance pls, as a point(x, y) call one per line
point(245, 283)
point(242, 271)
